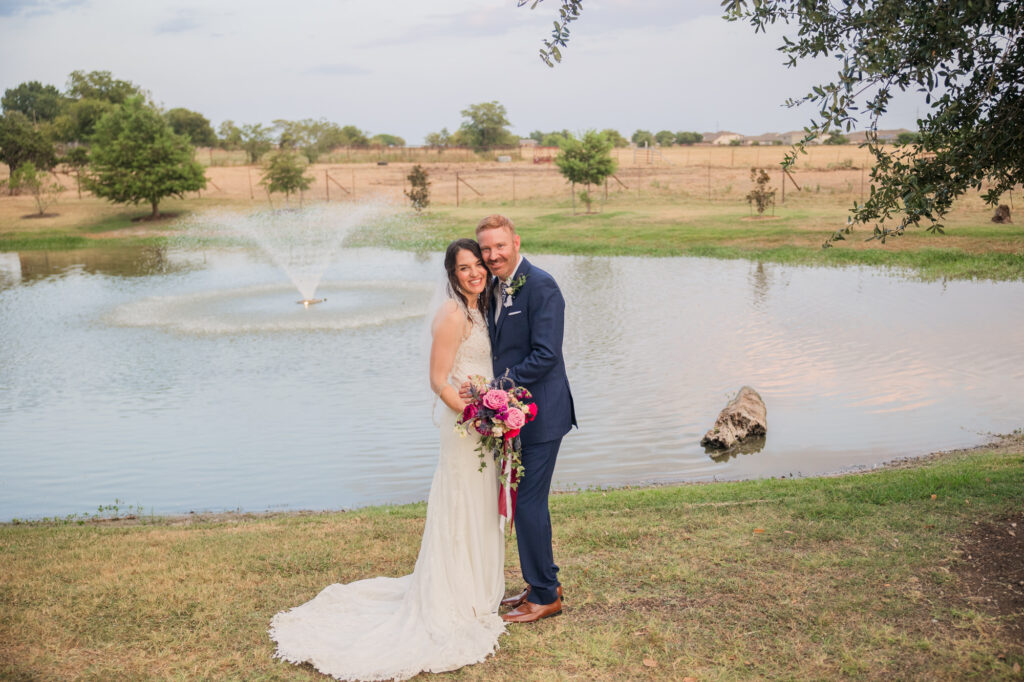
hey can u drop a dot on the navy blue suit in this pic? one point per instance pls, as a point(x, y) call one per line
point(526, 342)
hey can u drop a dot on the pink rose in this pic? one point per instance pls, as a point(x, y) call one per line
point(495, 399)
point(515, 418)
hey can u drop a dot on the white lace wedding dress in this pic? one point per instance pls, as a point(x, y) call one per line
point(444, 615)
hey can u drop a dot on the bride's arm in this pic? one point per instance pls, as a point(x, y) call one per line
point(448, 329)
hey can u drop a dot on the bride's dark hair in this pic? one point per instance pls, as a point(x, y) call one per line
point(453, 281)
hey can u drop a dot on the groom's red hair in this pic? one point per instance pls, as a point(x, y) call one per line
point(495, 221)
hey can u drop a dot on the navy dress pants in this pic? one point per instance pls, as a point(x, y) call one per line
point(533, 522)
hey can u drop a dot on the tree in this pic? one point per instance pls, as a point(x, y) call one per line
point(354, 137)
point(688, 138)
point(762, 196)
point(77, 159)
point(255, 141)
point(77, 121)
point(968, 59)
point(836, 138)
point(192, 125)
point(587, 161)
point(643, 136)
point(484, 126)
point(37, 101)
point(419, 193)
point(665, 138)
point(966, 56)
point(285, 172)
point(439, 140)
point(136, 158)
point(385, 140)
point(537, 135)
point(43, 190)
point(555, 139)
point(22, 142)
point(907, 138)
point(615, 137)
point(101, 85)
point(229, 136)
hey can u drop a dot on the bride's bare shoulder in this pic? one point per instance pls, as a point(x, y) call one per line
point(449, 317)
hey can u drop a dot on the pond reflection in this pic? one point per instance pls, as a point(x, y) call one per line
point(120, 261)
point(186, 380)
point(749, 446)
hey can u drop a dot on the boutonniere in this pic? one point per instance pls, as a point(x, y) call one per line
point(515, 285)
point(511, 288)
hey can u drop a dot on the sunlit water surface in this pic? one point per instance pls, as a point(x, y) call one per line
point(191, 380)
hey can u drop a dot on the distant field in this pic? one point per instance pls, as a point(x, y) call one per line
point(681, 201)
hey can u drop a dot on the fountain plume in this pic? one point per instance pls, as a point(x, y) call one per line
point(303, 242)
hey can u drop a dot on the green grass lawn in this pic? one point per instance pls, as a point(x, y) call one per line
point(860, 576)
point(661, 225)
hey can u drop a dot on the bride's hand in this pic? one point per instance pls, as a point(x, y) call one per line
point(464, 391)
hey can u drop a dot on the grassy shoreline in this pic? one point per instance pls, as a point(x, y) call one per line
point(863, 575)
point(972, 248)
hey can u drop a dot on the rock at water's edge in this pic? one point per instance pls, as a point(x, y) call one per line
point(744, 416)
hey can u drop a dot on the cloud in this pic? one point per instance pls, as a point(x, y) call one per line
point(478, 23)
point(185, 20)
point(33, 8)
point(336, 70)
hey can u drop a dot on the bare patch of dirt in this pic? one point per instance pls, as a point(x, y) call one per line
point(30, 216)
point(992, 570)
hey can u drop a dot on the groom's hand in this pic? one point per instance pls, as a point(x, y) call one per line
point(464, 391)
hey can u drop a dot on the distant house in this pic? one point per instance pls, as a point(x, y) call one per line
point(883, 135)
point(794, 136)
point(528, 142)
point(722, 137)
point(767, 138)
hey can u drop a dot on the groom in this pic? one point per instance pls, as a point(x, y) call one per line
point(526, 322)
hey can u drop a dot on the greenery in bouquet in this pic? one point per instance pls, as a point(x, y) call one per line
point(497, 412)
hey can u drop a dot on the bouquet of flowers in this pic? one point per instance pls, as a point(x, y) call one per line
point(497, 411)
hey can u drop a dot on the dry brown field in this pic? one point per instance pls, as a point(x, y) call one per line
point(674, 184)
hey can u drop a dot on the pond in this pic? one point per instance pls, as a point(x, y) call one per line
point(188, 379)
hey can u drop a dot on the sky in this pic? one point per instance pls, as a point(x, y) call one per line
point(409, 67)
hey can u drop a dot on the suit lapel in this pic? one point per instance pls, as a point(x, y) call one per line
point(524, 269)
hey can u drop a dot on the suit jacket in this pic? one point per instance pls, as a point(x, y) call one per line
point(527, 342)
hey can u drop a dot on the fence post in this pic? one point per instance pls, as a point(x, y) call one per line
point(513, 188)
point(248, 171)
point(456, 189)
point(327, 185)
point(709, 176)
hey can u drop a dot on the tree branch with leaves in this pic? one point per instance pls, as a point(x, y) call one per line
point(966, 56)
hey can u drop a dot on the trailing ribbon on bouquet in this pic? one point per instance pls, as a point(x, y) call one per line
point(508, 492)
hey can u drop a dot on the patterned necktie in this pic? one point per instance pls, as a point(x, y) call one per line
point(503, 298)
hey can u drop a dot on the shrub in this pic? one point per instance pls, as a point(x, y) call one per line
point(762, 196)
point(419, 193)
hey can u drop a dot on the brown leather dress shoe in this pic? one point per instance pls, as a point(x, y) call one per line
point(528, 612)
point(517, 599)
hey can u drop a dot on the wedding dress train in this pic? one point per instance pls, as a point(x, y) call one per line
point(445, 614)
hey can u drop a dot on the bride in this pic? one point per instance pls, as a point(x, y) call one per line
point(445, 614)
